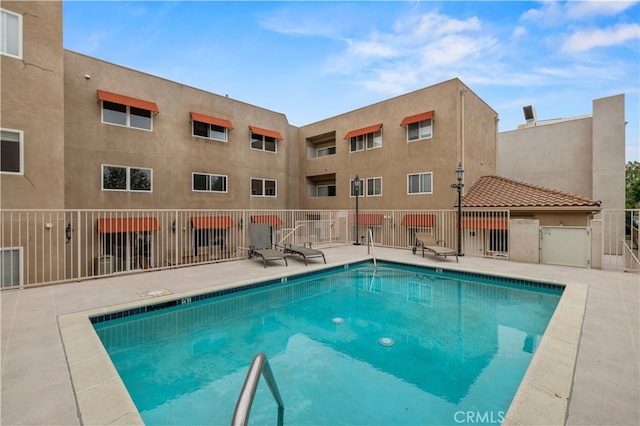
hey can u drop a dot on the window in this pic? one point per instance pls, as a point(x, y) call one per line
point(325, 191)
point(374, 186)
point(10, 34)
point(419, 183)
point(208, 182)
point(263, 143)
point(419, 130)
point(211, 131)
point(121, 178)
point(10, 267)
point(368, 140)
point(360, 187)
point(11, 151)
point(321, 152)
point(125, 115)
point(263, 187)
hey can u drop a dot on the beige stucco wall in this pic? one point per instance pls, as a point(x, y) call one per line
point(609, 152)
point(556, 156)
point(31, 95)
point(169, 149)
point(524, 240)
point(583, 156)
point(397, 158)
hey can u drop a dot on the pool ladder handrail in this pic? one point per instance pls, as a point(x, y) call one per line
point(259, 366)
point(371, 249)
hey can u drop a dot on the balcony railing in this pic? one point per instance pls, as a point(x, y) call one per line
point(51, 246)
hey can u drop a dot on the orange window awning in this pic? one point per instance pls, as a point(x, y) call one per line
point(269, 219)
point(127, 224)
point(418, 220)
point(366, 219)
point(484, 223)
point(363, 131)
point(211, 120)
point(266, 132)
point(416, 118)
point(212, 222)
point(103, 95)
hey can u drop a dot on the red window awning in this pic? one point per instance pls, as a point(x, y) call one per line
point(418, 220)
point(363, 131)
point(126, 100)
point(366, 219)
point(212, 222)
point(416, 118)
point(211, 120)
point(484, 223)
point(266, 132)
point(127, 224)
point(269, 219)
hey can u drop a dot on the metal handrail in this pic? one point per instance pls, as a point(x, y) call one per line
point(371, 247)
point(260, 365)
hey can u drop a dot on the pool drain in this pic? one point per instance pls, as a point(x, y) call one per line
point(337, 320)
point(386, 341)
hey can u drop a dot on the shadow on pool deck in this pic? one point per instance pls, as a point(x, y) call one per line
point(36, 384)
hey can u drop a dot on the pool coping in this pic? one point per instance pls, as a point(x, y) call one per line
point(542, 396)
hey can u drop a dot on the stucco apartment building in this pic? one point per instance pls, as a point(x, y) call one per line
point(87, 134)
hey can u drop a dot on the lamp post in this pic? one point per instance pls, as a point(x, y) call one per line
point(459, 186)
point(356, 188)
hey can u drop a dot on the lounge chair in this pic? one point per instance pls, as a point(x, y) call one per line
point(305, 251)
point(429, 243)
point(261, 244)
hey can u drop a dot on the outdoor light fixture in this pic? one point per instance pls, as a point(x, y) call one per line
point(458, 186)
point(356, 188)
point(67, 233)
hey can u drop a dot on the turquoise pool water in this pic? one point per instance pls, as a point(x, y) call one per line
point(401, 345)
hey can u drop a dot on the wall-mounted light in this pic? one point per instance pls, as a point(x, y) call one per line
point(67, 233)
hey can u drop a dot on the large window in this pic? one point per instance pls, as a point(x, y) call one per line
point(263, 143)
point(263, 187)
point(122, 178)
point(125, 115)
point(11, 151)
point(325, 191)
point(211, 131)
point(369, 140)
point(321, 152)
point(419, 183)
point(10, 33)
point(419, 130)
point(209, 182)
point(374, 186)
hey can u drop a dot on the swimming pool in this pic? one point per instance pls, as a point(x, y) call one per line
point(457, 343)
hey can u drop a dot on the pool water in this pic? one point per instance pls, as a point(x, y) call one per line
point(398, 345)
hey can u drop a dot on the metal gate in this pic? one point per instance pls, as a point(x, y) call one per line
point(620, 240)
point(565, 245)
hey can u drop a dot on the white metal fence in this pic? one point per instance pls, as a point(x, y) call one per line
point(51, 246)
point(620, 240)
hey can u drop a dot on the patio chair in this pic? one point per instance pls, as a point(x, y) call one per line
point(305, 251)
point(261, 244)
point(427, 242)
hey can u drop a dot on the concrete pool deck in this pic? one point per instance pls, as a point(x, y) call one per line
point(37, 385)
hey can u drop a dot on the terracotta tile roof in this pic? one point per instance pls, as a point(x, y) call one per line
point(498, 191)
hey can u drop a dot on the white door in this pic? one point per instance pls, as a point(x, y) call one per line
point(565, 245)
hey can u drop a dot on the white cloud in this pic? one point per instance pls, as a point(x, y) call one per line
point(519, 32)
point(583, 40)
point(583, 9)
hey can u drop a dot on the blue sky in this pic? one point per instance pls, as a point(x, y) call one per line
point(314, 60)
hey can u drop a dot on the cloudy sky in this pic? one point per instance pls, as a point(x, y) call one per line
point(314, 60)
